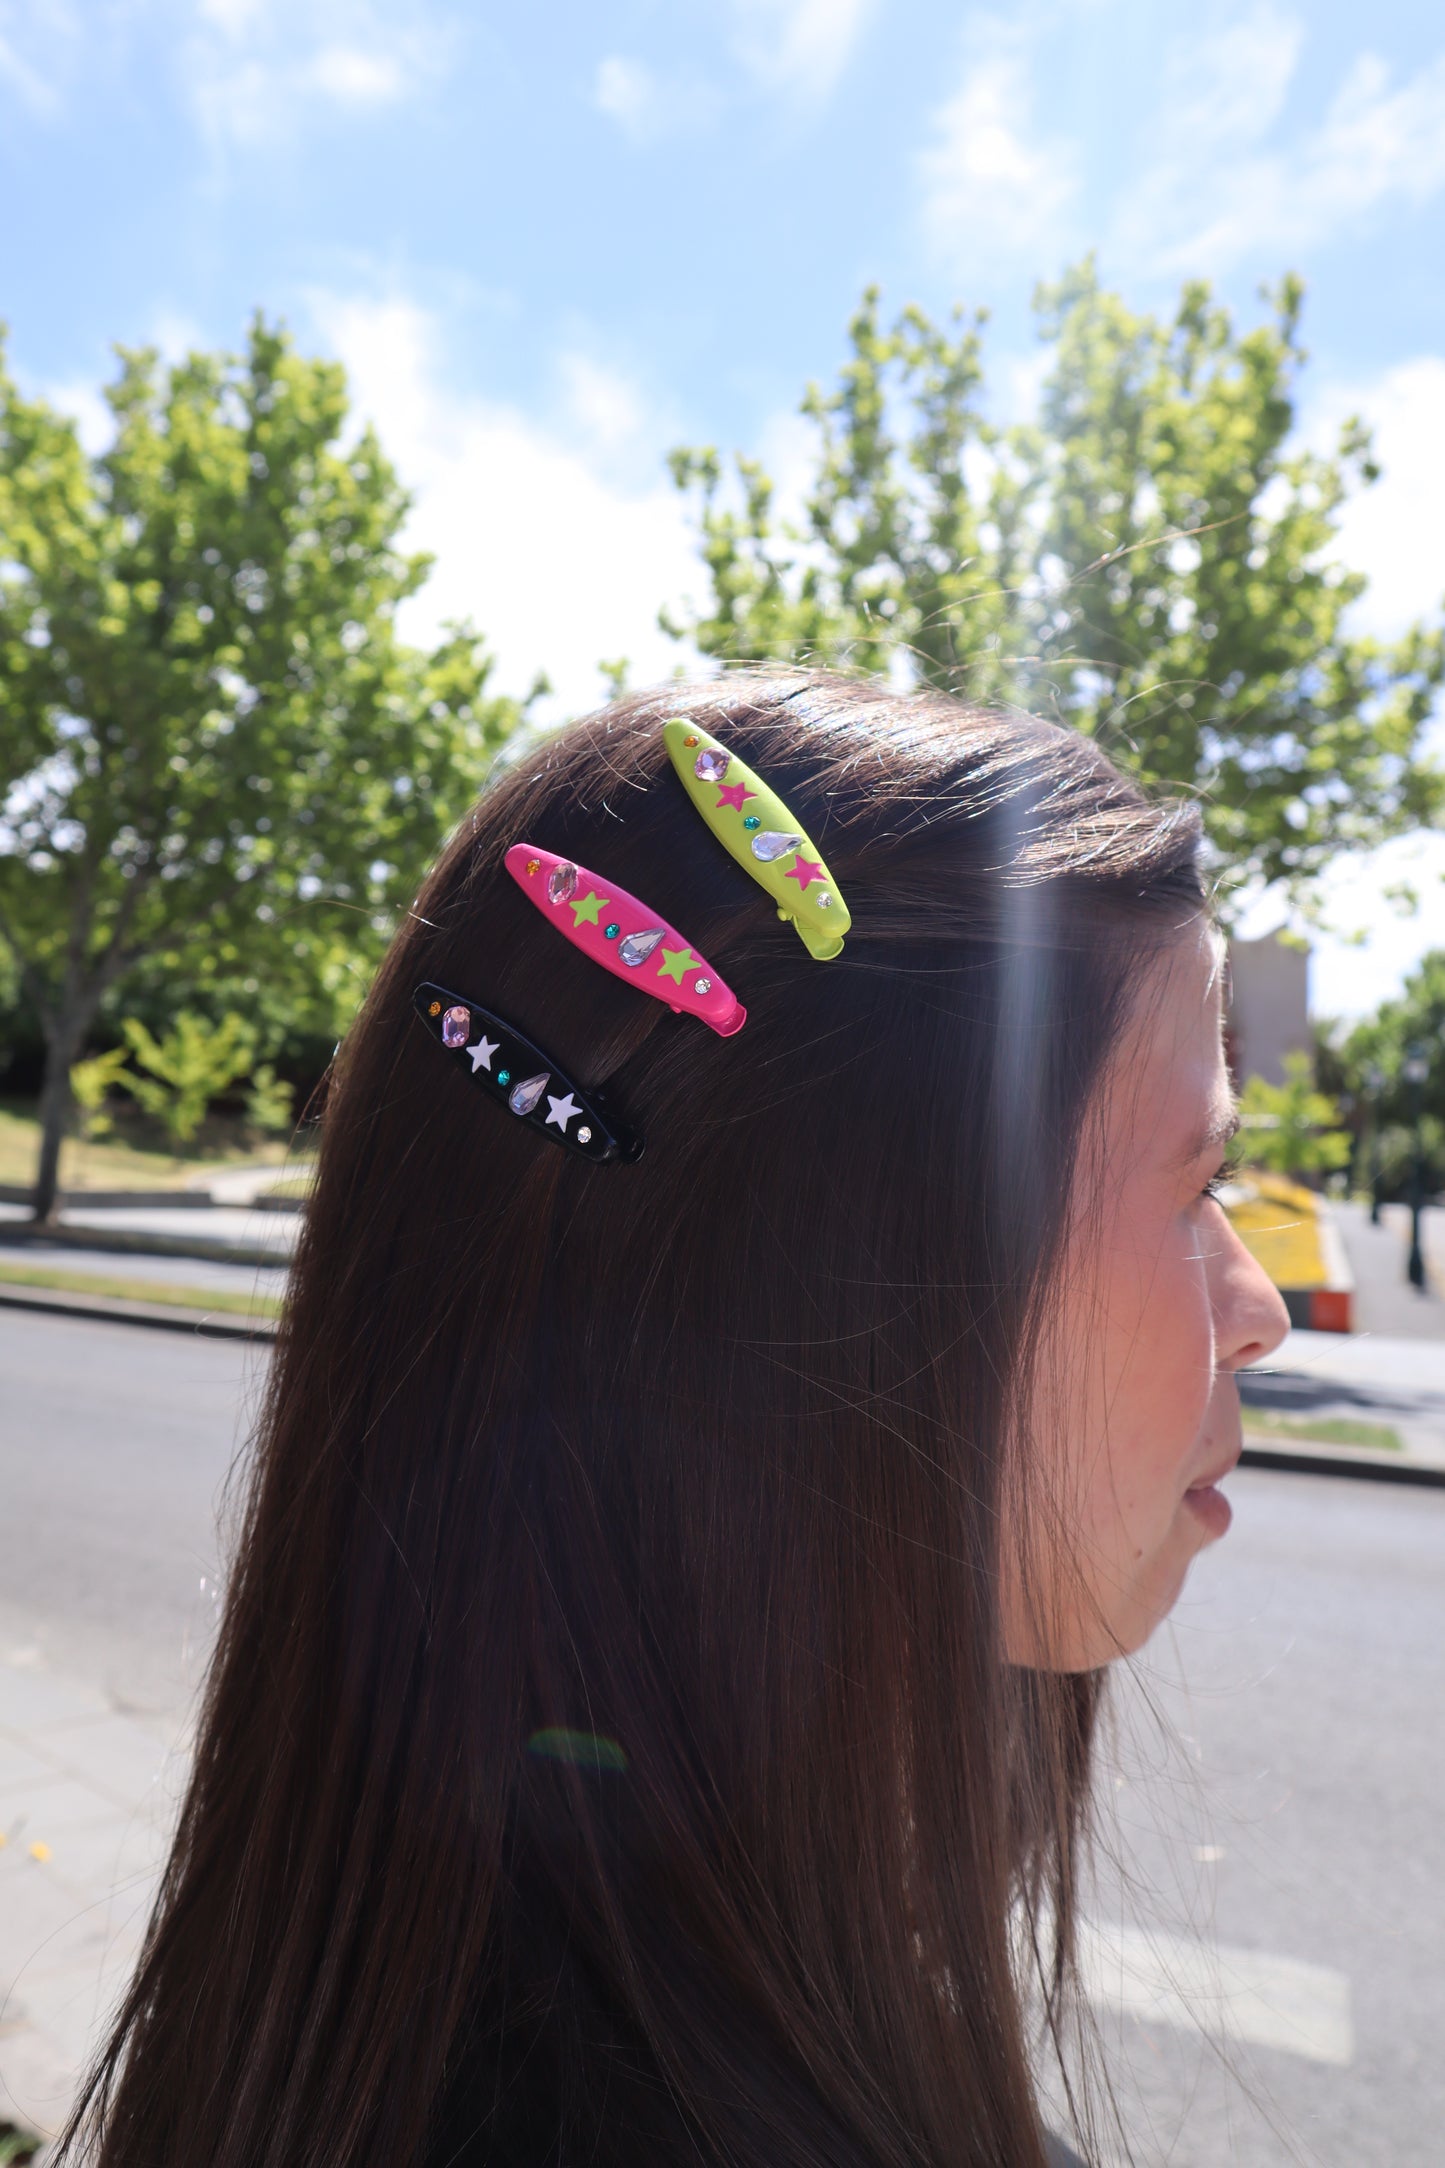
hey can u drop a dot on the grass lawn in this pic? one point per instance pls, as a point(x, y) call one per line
point(235, 1302)
point(117, 1164)
point(1321, 1430)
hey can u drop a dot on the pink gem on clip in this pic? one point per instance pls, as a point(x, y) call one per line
point(650, 954)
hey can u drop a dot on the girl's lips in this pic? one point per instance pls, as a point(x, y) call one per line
point(1211, 1507)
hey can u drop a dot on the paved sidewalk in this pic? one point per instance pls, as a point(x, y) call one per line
point(1361, 1376)
point(1385, 1302)
point(88, 1795)
point(166, 1270)
point(228, 1232)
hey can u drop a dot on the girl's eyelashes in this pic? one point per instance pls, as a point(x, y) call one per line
point(1222, 1175)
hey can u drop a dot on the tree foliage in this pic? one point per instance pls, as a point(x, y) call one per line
point(176, 1077)
point(1292, 1128)
point(1150, 560)
point(1369, 1065)
point(218, 756)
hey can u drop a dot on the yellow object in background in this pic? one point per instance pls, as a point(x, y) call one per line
point(1278, 1221)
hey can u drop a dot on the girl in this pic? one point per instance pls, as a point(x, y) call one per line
point(655, 1700)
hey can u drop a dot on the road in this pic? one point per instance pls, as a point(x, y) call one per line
point(114, 1447)
point(1274, 1790)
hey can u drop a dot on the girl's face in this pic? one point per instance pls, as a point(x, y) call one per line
point(1137, 1410)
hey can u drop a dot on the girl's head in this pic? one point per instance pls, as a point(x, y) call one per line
point(663, 1647)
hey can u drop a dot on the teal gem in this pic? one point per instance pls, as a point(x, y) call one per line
point(751, 821)
point(612, 931)
point(504, 1076)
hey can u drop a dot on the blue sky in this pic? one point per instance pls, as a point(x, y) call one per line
point(550, 243)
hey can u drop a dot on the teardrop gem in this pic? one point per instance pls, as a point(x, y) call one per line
point(524, 1096)
point(455, 1026)
point(711, 764)
point(561, 883)
point(772, 843)
point(639, 946)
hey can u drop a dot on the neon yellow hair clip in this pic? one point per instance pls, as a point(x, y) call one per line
point(751, 822)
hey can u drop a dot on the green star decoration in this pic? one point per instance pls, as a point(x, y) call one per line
point(675, 961)
point(585, 912)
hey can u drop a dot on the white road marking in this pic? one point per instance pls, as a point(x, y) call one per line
point(1272, 2002)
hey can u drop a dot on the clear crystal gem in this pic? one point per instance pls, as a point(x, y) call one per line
point(702, 986)
point(455, 1026)
point(524, 1096)
point(584, 1135)
point(772, 843)
point(711, 764)
point(823, 900)
point(639, 946)
point(561, 883)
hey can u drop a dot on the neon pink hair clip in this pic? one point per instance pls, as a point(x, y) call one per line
point(625, 937)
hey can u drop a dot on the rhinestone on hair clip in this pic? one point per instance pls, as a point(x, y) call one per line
point(527, 1082)
point(625, 937)
point(751, 822)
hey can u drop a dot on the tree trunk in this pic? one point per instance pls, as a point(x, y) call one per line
point(61, 1048)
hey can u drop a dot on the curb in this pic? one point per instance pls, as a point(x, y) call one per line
point(146, 1200)
point(109, 1309)
point(121, 1241)
point(1330, 1308)
point(1340, 1460)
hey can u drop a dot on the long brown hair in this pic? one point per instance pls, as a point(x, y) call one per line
point(700, 1461)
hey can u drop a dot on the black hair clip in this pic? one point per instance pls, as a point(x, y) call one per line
point(526, 1081)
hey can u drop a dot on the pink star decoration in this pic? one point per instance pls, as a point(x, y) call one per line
point(733, 794)
point(806, 869)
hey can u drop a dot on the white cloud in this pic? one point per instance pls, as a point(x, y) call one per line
point(17, 71)
point(94, 422)
point(353, 77)
point(1393, 531)
point(553, 559)
point(801, 46)
point(992, 184)
point(1390, 532)
point(39, 41)
point(251, 67)
point(630, 94)
point(605, 407)
point(1228, 85)
point(1218, 190)
point(1368, 944)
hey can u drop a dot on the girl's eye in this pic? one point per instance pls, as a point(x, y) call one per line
point(1218, 1180)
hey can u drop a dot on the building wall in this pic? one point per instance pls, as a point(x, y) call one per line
point(1268, 1007)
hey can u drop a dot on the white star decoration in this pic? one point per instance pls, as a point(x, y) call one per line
point(561, 1111)
point(482, 1053)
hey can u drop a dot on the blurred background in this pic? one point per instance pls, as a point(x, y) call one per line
point(384, 386)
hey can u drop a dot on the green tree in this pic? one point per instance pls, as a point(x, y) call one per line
point(1149, 561)
point(1392, 1067)
point(217, 755)
point(1292, 1128)
point(176, 1077)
